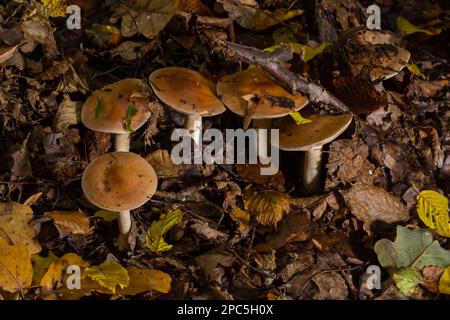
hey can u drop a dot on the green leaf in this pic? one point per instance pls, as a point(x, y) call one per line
point(432, 209)
point(299, 120)
point(99, 109)
point(41, 264)
point(131, 112)
point(106, 215)
point(109, 274)
point(406, 280)
point(155, 234)
point(408, 28)
point(411, 248)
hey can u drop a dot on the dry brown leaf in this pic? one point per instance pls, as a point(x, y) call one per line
point(16, 271)
point(163, 165)
point(267, 206)
point(98, 143)
point(66, 115)
point(292, 229)
point(203, 229)
point(6, 53)
point(14, 220)
point(369, 204)
point(195, 6)
point(252, 173)
point(431, 277)
point(70, 222)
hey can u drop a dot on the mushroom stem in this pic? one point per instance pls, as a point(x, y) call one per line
point(122, 142)
point(262, 145)
point(311, 170)
point(193, 124)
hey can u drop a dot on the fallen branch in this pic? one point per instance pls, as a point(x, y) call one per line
point(272, 62)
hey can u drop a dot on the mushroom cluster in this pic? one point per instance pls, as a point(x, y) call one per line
point(119, 181)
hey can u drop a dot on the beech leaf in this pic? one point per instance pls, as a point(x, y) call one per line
point(432, 209)
point(155, 234)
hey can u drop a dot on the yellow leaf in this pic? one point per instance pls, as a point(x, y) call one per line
point(299, 120)
point(432, 209)
point(16, 271)
point(267, 206)
point(444, 282)
point(155, 234)
point(14, 220)
point(40, 265)
point(414, 69)
point(408, 28)
point(242, 218)
point(109, 274)
point(106, 215)
point(57, 8)
point(308, 53)
point(144, 280)
point(71, 222)
point(55, 273)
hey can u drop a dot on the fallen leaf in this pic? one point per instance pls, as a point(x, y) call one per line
point(411, 248)
point(144, 280)
point(242, 218)
point(106, 215)
point(248, 14)
point(146, 17)
point(66, 115)
point(109, 274)
point(299, 120)
point(408, 28)
point(56, 8)
point(162, 163)
point(70, 222)
point(370, 203)
point(53, 278)
point(406, 280)
point(268, 206)
point(444, 282)
point(16, 271)
point(6, 53)
point(41, 265)
point(431, 276)
point(432, 209)
point(292, 229)
point(14, 225)
point(155, 234)
point(203, 229)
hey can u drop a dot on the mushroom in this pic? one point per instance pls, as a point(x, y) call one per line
point(189, 93)
point(119, 181)
point(376, 50)
point(119, 108)
point(310, 138)
point(252, 95)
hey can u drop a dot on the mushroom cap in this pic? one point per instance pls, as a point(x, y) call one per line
point(119, 181)
point(322, 130)
point(186, 91)
point(233, 88)
point(106, 109)
point(376, 49)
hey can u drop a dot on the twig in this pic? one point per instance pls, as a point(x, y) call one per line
point(272, 62)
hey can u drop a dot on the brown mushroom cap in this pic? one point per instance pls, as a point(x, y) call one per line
point(322, 130)
point(186, 91)
point(376, 49)
point(119, 181)
point(106, 109)
point(232, 88)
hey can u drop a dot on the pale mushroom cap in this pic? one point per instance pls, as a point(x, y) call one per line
point(119, 181)
point(106, 109)
point(322, 130)
point(186, 91)
point(232, 88)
